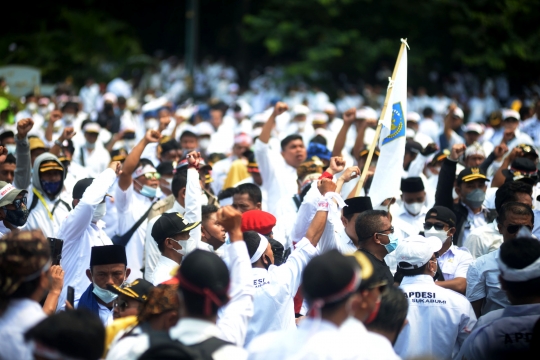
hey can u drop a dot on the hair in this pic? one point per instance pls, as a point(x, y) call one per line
point(367, 223)
point(278, 250)
point(207, 210)
point(288, 140)
point(227, 193)
point(179, 181)
point(10, 159)
point(319, 139)
point(508, 192)
point(412, 272)
point(253, 191)
point(252, 240)
point(76, 333)
point(26, 289)
point(121, 100)
point(428, 112)
point(516, 209)
point(392, 312)
point(86, 121)
point(518, 254)
point(143, 162)
point(187, 133)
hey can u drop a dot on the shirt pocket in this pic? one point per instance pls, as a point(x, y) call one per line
point(449, 268)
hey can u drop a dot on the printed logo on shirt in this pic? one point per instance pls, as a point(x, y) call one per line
point(423, 297)
point(517, 338)
point(260, 282)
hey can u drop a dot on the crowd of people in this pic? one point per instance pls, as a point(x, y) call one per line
point(138, 226)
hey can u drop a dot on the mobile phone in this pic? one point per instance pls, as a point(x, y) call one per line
point(71, 296)
point(56, 249)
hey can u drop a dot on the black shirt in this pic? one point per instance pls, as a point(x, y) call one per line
point(380, 269)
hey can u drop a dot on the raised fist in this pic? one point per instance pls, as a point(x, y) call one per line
point(229, 218)
point(280, 108)
point(457, 151)
point(350, 173)
point(326, 186)
point(152, 136)
point(116, 166)
point(349, 116)
point(23, 127)
point(193, 158)
point(337, 164)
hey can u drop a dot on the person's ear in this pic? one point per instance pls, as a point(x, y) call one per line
point(258, 205)
point(128, 272)
point(458, 190)
point(89, 275)
point(500, 227)
point(451, 231)
point(168, 243)
point(344, 220)
point(183, 193)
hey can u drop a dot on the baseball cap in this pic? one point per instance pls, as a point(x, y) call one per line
point(36, 143)
point(521, 168)
point(92, 127)
point(440, 156)
point(319, 118)
point(413, 147)
point(80, 188)
point(443, 214)
point(416, 251)
point(259, 221)
point(366, 113)
point(510, 114)
point(471, 174)
point(50, 165)
point(365, 152)
point(474, 127)
point(475, 149)
point(119, 154)
point(8, 193)
point(171, 224)
point(137, 290)
point(413, 116)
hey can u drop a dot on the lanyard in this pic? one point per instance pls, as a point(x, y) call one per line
point(36, 193)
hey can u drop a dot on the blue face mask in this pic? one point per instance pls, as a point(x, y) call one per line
point(392, 245)
point(51, 187)
point(148, 191)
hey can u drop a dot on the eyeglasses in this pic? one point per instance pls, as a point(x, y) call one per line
point(18, 203)
point(512, 229)
point(438, 226)
point(391, 230)
point(122, 305)
point(152, 175)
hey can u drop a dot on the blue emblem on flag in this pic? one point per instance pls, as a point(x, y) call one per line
point(398, 128)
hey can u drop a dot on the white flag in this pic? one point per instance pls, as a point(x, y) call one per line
point(387, 178)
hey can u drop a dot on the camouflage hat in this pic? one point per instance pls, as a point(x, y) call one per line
point(161, 298)
point(24, 255)
point(313, 166)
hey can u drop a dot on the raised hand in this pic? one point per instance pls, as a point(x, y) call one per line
point(231, 220)
point(23, 127)
point(67, 134)
point(500, 150)
point(457, 151)
point(337, 164)
point(326, 186)
point(3, 154)
point(349, 116)
point(116, 166)
point(55, 115)
point(280, 108)
point(152, 136)
point(193, 159)
point(350, 173)
point(57, 277)
point(429, 149)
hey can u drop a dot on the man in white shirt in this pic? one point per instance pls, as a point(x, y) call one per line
point(28, 275)
point(279, 172)
point(431, 307)
point(220, 170)
point(83, 229)
point(276, 286)
point(108, 266)
point(509, 333)
point(483, 286)
point(413, 196)
point(92, 155)
point(171, 233)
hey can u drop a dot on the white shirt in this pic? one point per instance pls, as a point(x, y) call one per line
point(80, 234)
point(279, 178)
point(473, 221)
point(359, 342)
point(220, 170)
point(163, 270)
point(511, 330)
point(131, 207)
point(95, 162)
point(416, 221)
point(439, 320)
point(483, 240)
point(39, 216)
point(430, 128)
point(483, 282)
point(275, 289)
point(455, 262)
point(19, 316)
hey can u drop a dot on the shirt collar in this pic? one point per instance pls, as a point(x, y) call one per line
point(166, 261)
point(178, 208)
point(425, 279)
point(470, 212)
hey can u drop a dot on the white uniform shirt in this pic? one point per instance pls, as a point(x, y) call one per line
point(361, 343)
point(510, 331)
point(95, 162)
point(131, 207)
point(220, 170)
point(439, 320)
point(416, 221)
point(279, 178)
point(483, 240)
point(39, 216)
point(483, 282)
point(80, 234)
point(275, 289)
point(19, 316)
point(473, 221)
point(455, 262)
point(163, 270)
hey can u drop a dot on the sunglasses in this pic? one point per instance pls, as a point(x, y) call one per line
point(438, 226)
point(18, 202)
point(512, 229)
point(152, 175)
point(391, 230)
point(122, 305)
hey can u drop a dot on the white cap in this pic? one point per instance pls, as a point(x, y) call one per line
point(413, 116)
point(329, 107)
point(154, 104)
point(132, 103)
point(410, 133)
point(459, 113)
point(319, 118)
point(509, 113)
point(417, 250)
point(92, 127)
point(475, 149)
point(300, 110)
point(259, 118)
point(366, 113)
point(184, 113)
point(204, 128)
point(110, 97)
point(474, 127)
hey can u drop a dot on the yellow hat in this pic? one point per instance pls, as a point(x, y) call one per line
point(36, 143)
point(49, 166)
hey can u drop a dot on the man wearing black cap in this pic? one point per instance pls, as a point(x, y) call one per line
point(413, 196)
point(108, 266)
point(453, 261)
point(83, 229)
point(471, 189)
point(329, 283)
point(171, 233)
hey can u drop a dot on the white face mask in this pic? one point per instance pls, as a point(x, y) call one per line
point(99, 213)
point(105, 295)
point(204, 143)
point(32, 107)
point(184, 244)
point(441, 234)
point(151, 124)
point(68, 118)
point(413, 208)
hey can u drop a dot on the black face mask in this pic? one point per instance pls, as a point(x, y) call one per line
point(16, 217)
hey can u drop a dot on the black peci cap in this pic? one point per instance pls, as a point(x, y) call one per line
point(412, 184)
point(108, 254)
point(357, 205)
point(166, 168)
point(443, 214)
point(80, 187)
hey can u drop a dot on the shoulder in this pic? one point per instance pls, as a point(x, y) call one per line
point(462, 253)
point(164, 204)
point(230, 352)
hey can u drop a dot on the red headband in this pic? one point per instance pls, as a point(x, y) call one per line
point(209, 296)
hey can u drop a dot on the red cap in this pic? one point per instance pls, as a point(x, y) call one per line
point(259, 221)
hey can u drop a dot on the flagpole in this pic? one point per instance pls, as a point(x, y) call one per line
point(360, 183)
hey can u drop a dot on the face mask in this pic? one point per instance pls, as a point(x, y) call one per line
point(204, 143)
point(43, 111)
point(11, 148)
point(32, 107)
point(90, 145)
point(392, 245)
point(16, 217)
point(100, 212)
point(68, 118)
point(105, 295)
point(51, 188)
point(413, 208)
point(183, 244)
point(475, 198)
point(441, 234)
point(151, 124)
point(148, 191)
